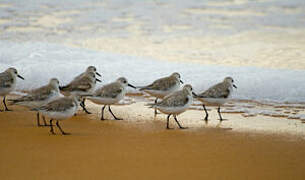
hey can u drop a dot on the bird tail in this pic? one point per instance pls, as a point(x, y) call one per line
point(34, 109)
point(14, 101)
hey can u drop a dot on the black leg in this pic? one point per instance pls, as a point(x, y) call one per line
point(38, 120)
point(51, 125)
point(6, 109)
point(103, 108)
point(156, 112)
point(206, 113)
point(62, 132)
point(179, 123)
point(167, 124)
point(44, 121)
point(113, 114)
point(218, 110)
point(82, 104)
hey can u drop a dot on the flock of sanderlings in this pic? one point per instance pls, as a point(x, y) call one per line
point(48, 100)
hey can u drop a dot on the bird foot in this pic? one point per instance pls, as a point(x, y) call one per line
point(88, 112)
point(64, 133)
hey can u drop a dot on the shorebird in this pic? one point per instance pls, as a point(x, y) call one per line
point(163, 86)
point(83, 85)
point(176, 103)
point(110, 94)
point(59, 109)
point(89, 69)
point(39, 97)
point(217, 95)
point(8, 83)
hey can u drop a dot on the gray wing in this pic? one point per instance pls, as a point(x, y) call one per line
point(220, 90)
point(176, 99)
point(61, 104)
point(6, 80)
point(109, 91)
point(39, 94)
point(162, 84)
point(82, 84)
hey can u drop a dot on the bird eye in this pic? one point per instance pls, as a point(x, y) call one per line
point(125, 82)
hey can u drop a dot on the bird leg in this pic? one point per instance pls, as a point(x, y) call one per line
point(82, 104)
point(44, 121)
point(103, 108)
point(6, 109)
point(156, 112)
point(206, 113)
point(113, 114)
point(179, 123)
point(218, 110)
point(52, 130)
point(38, 120)
point(167, 125)
point(62, 132)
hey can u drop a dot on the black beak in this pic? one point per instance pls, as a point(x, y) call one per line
point(98, 80)
point(20, 77)
point(181, 81)
point(234, 86)
point(131, 86)
point(98, 74)
point(194, 94)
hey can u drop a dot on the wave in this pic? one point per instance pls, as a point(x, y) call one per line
point(38, 62)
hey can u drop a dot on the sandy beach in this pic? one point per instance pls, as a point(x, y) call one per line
point(260, 43)
point(140, 147)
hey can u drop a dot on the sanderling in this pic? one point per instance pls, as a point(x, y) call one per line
point(217, 95)
point(83, 85)
point(110, 94)
point(8, 83)
point(39, 97)
point(89, 69)
point(163, 86)
point(59, 109)
point(176, 103)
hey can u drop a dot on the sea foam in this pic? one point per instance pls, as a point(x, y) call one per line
point(38, 62)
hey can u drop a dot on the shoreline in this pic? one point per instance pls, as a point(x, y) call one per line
point(285, 120)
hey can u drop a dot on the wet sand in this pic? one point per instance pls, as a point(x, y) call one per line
point(140, 147)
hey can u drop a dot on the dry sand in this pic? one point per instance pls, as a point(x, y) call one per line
point(140, 147)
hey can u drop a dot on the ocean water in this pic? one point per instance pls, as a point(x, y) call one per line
point(260, 43)
point(38, 62)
